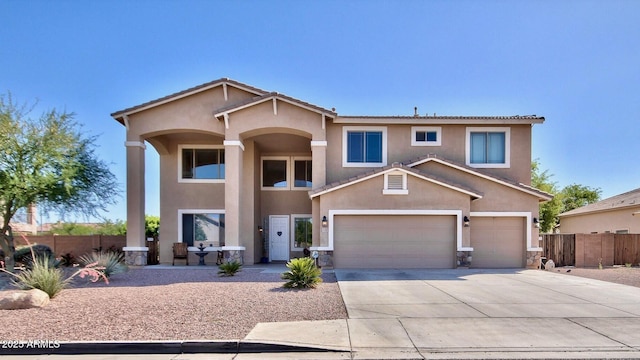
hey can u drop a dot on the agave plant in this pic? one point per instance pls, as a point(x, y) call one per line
point(110, 262)
point(229, 269)
point(303, 273)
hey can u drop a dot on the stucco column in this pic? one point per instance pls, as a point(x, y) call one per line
point(319, 163)
point(136, 249)
point(233, 154)
point(319, 179)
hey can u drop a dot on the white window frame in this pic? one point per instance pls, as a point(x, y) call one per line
point(194, 212)
point(293, 172)
point(436, 129)
point(287, 172)
point(290, 170)
point(195, 147)
point(293, 229)
point(403, 191)
point(507, 147)
point(345, 132)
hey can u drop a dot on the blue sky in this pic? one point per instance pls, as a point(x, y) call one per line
point(577, 63)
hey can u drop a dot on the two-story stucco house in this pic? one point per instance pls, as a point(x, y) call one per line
point(260, 176)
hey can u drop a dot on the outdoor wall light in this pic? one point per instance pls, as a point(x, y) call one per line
point(466, 221)
point(536, 223)
point(259, 228)
point(325, 222)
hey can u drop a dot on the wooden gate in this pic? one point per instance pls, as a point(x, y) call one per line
point(626, 249)
point(153, 255)
point(561, 248)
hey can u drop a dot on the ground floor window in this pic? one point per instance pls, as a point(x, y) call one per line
point(302, 231)
point(202, 227)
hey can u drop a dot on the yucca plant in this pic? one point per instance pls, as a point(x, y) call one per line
point(229, 269)
point(303, 273)
point(109, 262)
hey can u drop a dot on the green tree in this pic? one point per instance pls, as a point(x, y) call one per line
point(570, 197)
point(49, 162)
point(108, 227)
point(575, 196)
point(549, 210)
point(152, 225)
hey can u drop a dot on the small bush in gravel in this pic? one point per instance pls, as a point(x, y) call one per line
point(302, 274)
point(111, 262)
point(229, 269)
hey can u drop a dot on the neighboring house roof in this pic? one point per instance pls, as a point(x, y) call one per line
point(270, 96)
point(450, 120)
point(118, 115)
point(391, 168)
point(543, 196)
point(629, 199)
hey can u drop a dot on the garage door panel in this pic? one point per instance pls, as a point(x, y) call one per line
point(395, 241)
point(498, 242)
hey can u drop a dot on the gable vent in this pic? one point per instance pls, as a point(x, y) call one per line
point(395, 182)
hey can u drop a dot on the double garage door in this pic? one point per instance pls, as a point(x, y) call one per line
point(425, 241)
point(394, 241)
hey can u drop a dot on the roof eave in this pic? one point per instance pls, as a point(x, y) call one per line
point(439, 120)
point(595, 211)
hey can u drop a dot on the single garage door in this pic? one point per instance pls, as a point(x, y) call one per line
point(394, 241)
point(498, 242)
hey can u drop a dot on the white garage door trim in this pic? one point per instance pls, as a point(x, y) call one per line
point(456, 213)
point(523, 214)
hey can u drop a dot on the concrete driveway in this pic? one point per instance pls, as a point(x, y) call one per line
point(525, 312)
point(471, 314)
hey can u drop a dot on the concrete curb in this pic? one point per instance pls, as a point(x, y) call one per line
point(154, 347)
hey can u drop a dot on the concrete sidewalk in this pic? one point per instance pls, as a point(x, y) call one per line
point(446, 314)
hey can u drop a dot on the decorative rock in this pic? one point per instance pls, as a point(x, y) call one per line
point(23, 299)
point(550, 265)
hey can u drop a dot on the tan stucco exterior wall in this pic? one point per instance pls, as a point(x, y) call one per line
point(601, 222)
point(453, 149)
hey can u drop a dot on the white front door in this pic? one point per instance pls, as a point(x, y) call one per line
point(279, 237)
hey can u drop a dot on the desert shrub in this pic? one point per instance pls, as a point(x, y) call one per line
point(303, 273)
point(229, 269)
point(109, 262)
point(67, 259)
point(42, 275)
point(25, 255)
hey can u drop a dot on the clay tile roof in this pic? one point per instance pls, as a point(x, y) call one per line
point(624, 200)
point(191, 90)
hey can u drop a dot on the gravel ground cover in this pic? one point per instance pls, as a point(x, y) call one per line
point(617, 274)
point(172, 304)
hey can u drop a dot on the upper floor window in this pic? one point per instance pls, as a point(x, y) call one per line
point(426, 136)
point(302, 173)
point(286, 173)
point(488, 147)
point(201, 163)
point(364, 146)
